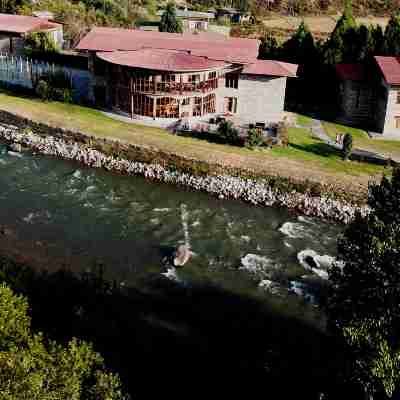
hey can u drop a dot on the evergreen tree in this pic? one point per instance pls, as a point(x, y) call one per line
point(300, 48)
point(392, 36)
point(269, 48)
point(169, 22)
point(335, 47)
point(364, 306)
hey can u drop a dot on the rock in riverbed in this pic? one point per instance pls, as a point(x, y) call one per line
point(182, 255)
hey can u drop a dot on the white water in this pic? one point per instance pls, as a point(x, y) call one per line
point(323, 263)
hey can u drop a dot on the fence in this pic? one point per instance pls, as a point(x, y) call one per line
point(25, 72)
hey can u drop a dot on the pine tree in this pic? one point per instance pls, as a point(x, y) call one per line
point(364, 306)
point(335, 47)
point(169, 22)
point(392, 36)
point(269, 48)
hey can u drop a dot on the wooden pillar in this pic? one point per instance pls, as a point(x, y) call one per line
point(131, 96)
point(154, 107)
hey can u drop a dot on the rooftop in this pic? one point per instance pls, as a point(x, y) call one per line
point(234, 50)
point(390, 68)
point(20, 24)
point(271, 68)
point(163, 60)
point(350, 72)
point(191, 14)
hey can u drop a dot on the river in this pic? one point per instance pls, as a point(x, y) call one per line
point(261, 291)
point(129, 224)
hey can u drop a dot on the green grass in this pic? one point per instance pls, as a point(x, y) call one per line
point(305, 158)
point(303, 146)
point(389, 148)
point(303, 120)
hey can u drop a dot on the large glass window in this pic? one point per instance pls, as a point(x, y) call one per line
point(232, 80)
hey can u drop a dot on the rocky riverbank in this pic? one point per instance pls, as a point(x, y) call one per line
point(257, 192)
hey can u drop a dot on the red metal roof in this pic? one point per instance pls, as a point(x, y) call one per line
point(163, 60)
point(350, 72)
point(112, 39)
point(271, 68)
point(390, 67)
point(24, 24)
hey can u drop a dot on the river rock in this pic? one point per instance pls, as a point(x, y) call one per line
point(17, 147)
point(182, 255)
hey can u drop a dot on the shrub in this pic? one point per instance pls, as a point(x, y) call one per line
point(347, 146)
point(40, 42)
point(42, 90)
point(228, 133)
point(254, 139)
point(282, 132)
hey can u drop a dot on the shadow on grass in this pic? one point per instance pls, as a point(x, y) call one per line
point(319, 148)
point(179, 342)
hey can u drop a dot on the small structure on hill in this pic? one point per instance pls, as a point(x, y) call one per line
point(369, 95)
point(193, 20)
point(14, 29)
point(169, 77)
point(235, 16)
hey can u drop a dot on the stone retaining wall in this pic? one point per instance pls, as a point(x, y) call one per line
point(257, 192)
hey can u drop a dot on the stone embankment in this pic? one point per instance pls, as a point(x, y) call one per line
point(256, 192)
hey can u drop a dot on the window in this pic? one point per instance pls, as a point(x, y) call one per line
point(186, 101)
point(230, 105)
point(209, 104)
point(197, 107)
point(232, 81)
point(397, 120)
point(168, 78)
point(398, 96)
point(167, 107)
point(194, 78)
point(212, 75)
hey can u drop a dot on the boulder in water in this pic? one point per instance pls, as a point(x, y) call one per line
point(182, 255)
point(17, 147)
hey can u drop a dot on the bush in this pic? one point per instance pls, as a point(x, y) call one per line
point(54, 87)
point(40, 42)
point(254, 139)
point(347, 146)
point(282, 132)
point(228, 133)
point(42, 90)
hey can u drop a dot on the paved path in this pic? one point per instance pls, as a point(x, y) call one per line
point(318, 130)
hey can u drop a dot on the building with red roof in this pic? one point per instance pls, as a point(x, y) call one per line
point(15, 28)
point(172, 76)
point(370, 94)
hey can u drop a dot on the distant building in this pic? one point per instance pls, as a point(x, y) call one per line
point(370, 95)
point(15, 28)
point(235, 16)
point(168, 77)
point(193, 20)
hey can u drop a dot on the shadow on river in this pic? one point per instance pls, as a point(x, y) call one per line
point(176, 342)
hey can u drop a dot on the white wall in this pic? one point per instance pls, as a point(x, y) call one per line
point(260, 99)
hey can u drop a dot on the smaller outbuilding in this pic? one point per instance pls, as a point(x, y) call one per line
point(369, 95)
point(14, 29)
point(193, 20)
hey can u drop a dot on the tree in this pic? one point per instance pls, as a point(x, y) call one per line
point(169, 22)
point(347, 146)
point(269, 47)
point(364, 304)
point(40, 42)
point(392, 36)
point(335, 47)
point(300, 48)
point(35, 368)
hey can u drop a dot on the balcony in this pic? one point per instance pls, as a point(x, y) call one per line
point(147, 86)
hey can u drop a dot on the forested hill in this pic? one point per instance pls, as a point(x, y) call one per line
point(301, 7)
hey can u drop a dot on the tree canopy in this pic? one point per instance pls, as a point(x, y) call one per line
point(169, 22)
point(364, 306)
point(33, 367)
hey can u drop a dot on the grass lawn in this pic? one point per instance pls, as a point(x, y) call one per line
point(303, 120)
point(389, 148)
point(305, 158)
